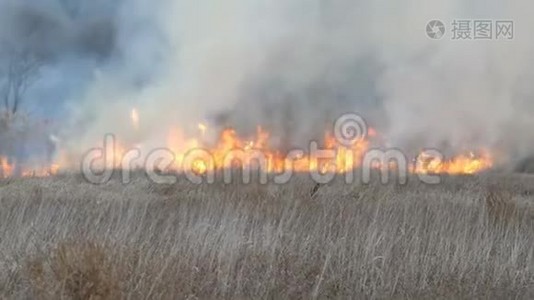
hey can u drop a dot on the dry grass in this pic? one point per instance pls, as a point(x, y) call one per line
point(75, 270)
point(500, 205)
point(62, 238)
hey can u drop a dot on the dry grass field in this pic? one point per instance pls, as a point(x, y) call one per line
point(469, 237)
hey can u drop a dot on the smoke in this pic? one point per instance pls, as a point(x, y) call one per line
point(291, 67)
point(461, 94)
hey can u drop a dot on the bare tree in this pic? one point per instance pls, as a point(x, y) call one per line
point(19, 71)
point(21, 58)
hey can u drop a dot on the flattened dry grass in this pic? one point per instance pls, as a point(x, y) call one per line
point(74, 270)
point(62, 238)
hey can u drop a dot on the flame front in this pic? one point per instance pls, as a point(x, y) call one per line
point(6, 168)
point(9, 168)
point(462, 164)
point(345, 159)
point(229, 149)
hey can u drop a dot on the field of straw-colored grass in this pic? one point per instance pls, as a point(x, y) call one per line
point(469, 237)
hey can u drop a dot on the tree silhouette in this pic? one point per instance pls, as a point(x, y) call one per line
point(18, 71)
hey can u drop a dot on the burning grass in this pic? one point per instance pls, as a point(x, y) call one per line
point(470, 237)
point(210, 150)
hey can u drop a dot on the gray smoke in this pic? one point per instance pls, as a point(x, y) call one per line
point(291, 67)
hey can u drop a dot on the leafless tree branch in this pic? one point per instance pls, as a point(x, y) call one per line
point(19, 71)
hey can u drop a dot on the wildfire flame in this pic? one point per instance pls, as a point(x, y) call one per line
point(462, 164)
point(134, 116)
point(346, 158)
point(202, 128)
point(6, 168)
point(9, 168)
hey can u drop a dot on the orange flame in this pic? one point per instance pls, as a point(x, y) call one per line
point(11, 169)
point(462, 164)
point(134, 116)
point(345, 158)
point(6, 169)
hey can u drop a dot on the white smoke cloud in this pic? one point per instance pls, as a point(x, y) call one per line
point(294, 65)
